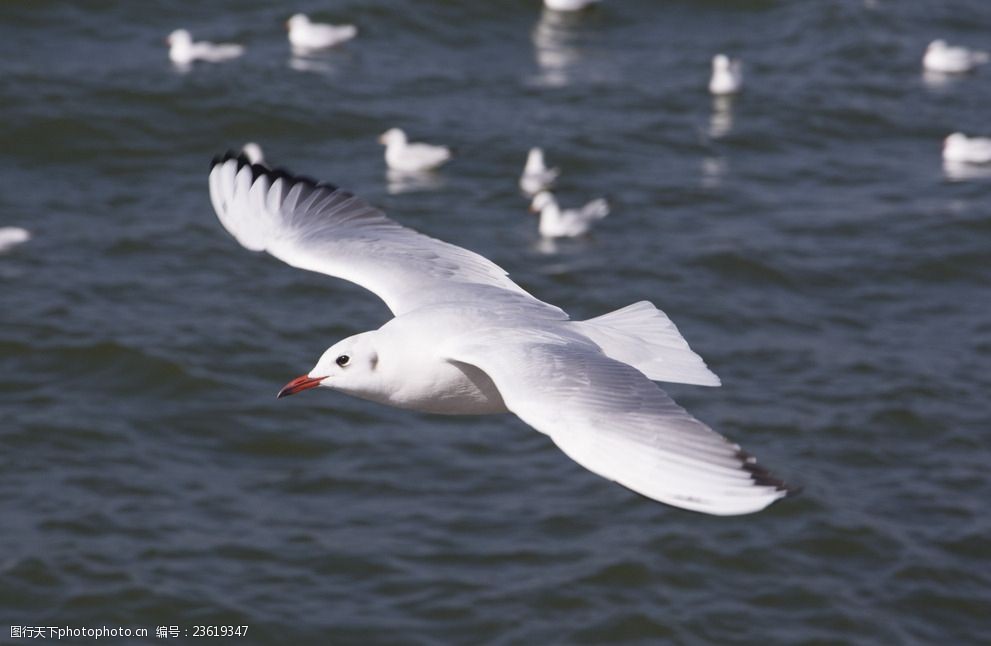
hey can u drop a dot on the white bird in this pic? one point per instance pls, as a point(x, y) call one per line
point(465, 339)
point(411, 158)
point(253, 152)
point(183, 51)
point(568, 5)
point(960, 148)
point(307, 35)
point(943, 58)
point(12, 236)
point(536, 176)
point(556, 222)
point(727, 75)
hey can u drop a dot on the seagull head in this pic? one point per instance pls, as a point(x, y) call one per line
point(720, 62)
point(937, 45)
point(179, 38)
point(542, 200)
point(297, 21)
point(954, 140)
point(392, 136)
point(349, 366)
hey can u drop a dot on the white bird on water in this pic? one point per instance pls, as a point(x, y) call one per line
point(183, 51)
point(727, 75)
point(568, 5)
point(943, 58)
point(408, 157)
point(13, 236)
point(306, 35)
point(556, 222)
point(960, 148)
point(465, 339)
point(536, 176)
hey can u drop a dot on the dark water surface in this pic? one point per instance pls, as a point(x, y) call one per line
point(804, 239)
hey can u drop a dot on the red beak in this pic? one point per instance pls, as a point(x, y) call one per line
point(299, 384)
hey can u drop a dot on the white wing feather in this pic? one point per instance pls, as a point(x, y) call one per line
point(321, 228)
point(611, 419)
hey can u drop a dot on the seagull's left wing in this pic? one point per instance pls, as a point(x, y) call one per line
point(316, 226)
point(609, 418)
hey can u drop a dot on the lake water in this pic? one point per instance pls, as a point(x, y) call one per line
point(804, 238)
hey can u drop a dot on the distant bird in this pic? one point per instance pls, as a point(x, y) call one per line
point(959, 148)
point(466, 340)
point(254, 153)
point(183, 51)
point(536, 176)
point(408, 157)
point(727, 75)
point(566, 223)
point(943, 58)
point(304, 34)
point(12, 236)
point(568, 5)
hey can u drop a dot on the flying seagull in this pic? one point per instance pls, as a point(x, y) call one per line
point(465, 339)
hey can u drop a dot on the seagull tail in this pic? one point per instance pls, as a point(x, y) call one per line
point(596, 209)
point(644, 337)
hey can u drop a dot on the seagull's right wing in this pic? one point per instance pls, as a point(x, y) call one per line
point(316, 226)
point(611, 419)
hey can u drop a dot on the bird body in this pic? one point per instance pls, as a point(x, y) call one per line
point(556, 222)
point(536, 176)
point(307, 35)
point(727, 75)
point(465, 339)
point(401, 155)
point(183, 51)
point(960, 148)
point(943, 58)
point(13, 236)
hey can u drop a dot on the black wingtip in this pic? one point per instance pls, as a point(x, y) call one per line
point(273, 174)
point(761, 476)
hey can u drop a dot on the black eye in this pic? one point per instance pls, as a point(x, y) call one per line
point(343, 360)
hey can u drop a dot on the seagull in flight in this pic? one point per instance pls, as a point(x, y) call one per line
point(467, 340)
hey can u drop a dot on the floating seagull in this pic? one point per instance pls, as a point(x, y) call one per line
point(467, 340)
point(960, 148)
point(12, 236)
point(411, 158)
point(568, 5)
point(307, 35)
point(567, 223)
point(253, 152)
point(727, 75)
point(183, 51)
point(536, 176)
point(943, 58)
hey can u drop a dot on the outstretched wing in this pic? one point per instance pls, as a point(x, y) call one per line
point(612, 420)
point(316, 226)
